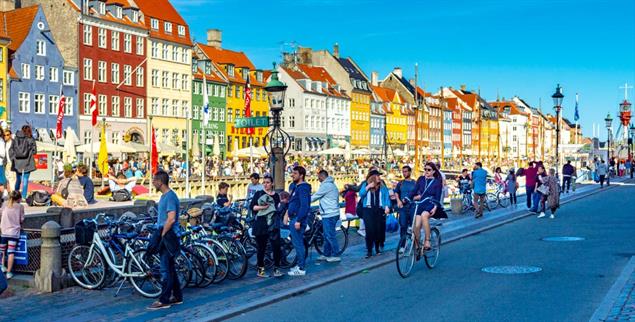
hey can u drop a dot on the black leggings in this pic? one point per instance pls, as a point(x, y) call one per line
point(261, 244)
point(512, 198)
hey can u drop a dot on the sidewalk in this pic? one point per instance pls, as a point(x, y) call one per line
point(619, 302)
point(233, 297)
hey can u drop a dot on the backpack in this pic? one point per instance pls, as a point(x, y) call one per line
point(21, 147)
point(39, 198)
point(121, 195)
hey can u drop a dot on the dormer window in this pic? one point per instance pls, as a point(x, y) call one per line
point(208, 67)
point(230, 70)
point(118, 12)
point(194, 65)
point(102, 8)
point(168, 27)
point(259, 76)
point(154, 23)
point(135, 16)
point(181, 30)
point(245, 72)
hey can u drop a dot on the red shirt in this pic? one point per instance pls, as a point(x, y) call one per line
point(350, 201)
point(530, 177)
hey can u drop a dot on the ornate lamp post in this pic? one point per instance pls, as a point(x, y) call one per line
point(608, 121)
point(632, 138)
point(557, 102)
point(278, 141)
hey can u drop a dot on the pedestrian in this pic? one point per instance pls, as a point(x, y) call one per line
point(512, 186)
point(429, 193)
point(498, 176)
point(168, 208)
point(553, 197)
point(264, 204)
point(4, 160)
point(297, 215)
point(328, 196)
point(540, 192)
point(404, 192)
point(253, 187)
point(222, 198)
point(479, 183)
point(530, 182)
point(602, 171)
point(568, 172)
point(11, 221)
point(22, 153)
point(10, 175)
point(376, 204)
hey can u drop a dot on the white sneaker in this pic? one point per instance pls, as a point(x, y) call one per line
point(333, 259)
point(9, 275)
point(542, 214)
point(552, 216)
point(402, 250)
point(362, 233)
point(322, 258)
point(296, 271)
point(4, 269)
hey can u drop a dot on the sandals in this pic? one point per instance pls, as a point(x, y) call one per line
point(427, 248)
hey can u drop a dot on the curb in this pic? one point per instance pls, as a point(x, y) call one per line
point(602, 312)
point(515, 215)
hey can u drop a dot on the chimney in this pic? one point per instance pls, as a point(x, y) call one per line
point(463, 87)
point(412, 82)
point(305, 55)
point(374, 78)
point(7, 5)
point(336, 50)
point(214, 38)
point(397, 71)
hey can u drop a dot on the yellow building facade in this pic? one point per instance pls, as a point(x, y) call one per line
point(396, 122)
point(4, 75)
point(239, 138)
point(360, 119)
point(493, 128)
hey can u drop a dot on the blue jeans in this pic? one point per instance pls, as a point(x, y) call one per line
point(297, 239)
point(405, 219)
point(22, 180)
point(530, 192)
point(169, 280)
point(537, 196)
point(331, 248)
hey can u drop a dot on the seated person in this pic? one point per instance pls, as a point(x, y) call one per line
point(127, 171)
point(86, 182)
point(72, 185)
point(137, 173)
point(121, 182)
point(223, 199)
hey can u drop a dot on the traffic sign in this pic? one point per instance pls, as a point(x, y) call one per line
point(249, 122)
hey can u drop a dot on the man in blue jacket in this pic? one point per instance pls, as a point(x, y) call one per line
point(297, 215)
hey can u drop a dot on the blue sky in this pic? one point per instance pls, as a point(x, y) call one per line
point(519, 47)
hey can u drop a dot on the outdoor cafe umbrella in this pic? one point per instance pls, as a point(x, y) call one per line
point(112, 148)
point(332, 151)
point(258, 152)
point(70, 155)
point(216, 148)
point(167, 149)
point(48, 147)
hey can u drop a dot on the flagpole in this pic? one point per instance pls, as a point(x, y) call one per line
point(187, 153)
point(204, 155)
point(151, 136)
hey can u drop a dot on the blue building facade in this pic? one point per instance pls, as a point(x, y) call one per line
point(447, 134)
point(38, 74)
point(377, 128)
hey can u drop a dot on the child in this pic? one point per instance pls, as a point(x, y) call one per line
point(223, 199)
point(10, 224)
point(512, 186)
point(284, 204)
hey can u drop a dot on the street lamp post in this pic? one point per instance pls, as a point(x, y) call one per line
point(278, 141)
point(608, 121)
point(632, 138)
point(557, 102)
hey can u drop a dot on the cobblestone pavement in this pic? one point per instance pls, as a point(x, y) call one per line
point(624, 307)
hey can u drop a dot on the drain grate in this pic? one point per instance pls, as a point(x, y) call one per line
point(511, 269)
point(562, 239)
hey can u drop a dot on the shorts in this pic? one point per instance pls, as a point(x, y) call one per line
point(8, 244)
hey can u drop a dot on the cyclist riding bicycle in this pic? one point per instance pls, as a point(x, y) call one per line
point(429, 191)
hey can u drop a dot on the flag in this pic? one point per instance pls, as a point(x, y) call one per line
point(154, 156)
point(250, 130)
point(93, 105)
point(576, 117)
point(205, 103)
point(102, 159)
point(60, 115)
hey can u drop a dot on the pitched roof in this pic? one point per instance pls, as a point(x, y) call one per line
point(226, 56)
point(514, 109)
point(385, 94)
point(19, 23)
point(209, 77)
point(163, 11)
point(317, 73)
point(295, 74)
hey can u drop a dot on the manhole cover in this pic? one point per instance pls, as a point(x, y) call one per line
point(562, 239)
point(511, 269)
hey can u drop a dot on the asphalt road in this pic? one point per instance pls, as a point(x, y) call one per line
point(575, 276)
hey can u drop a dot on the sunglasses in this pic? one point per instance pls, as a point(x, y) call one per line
point(428, 169)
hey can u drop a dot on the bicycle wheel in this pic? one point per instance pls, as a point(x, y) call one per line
point(491, 201)
point(432, 255)
point(198, 270)
point(503, 199)
point(251, 249)
point(341, 234)
point(237, 260)
point(208, 259)
point(222, 264)
point(289, 258)
point(405, 254)
point(145, 271)
point(183, 269)
point(87, 269)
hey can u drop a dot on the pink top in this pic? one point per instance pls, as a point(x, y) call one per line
point(350, 202)
point(11, 220)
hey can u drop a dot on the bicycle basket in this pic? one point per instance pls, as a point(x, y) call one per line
point(84, 232)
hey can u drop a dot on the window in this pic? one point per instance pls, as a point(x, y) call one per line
point(155, 78)
point(214, 114)
point(115, 106)
point(127, 43)
point(237, 92)
point(292, 121)
point(68, 78)
point(41, 48)
point(175, 108)
point(175, 81)
point(229, 115)
point(155, 50)
point(53, 101)
point(184, 109)
point(114, 73)
point(140, 77)
point(181, 30)
point(88, 35)
point(230, 70)
point(24, 102)
point(115, 40)
point(38, 100)
point(154, 23)
point(127, 106)
point(53, 74)
point(101, 38)
point(88, 136)
point(86, 104)
point(102, 103)
point(165, 105)
point(168, 27)
point(39, 72)
point(68, 106)
point(116, 137)
point(185, 82)
point(164, 53)
point(185, 56)
point(155, 106)
point(101, 72)
point(221, 114)
point(127, 74)
point(88, 69)
point(102, 8)
point(26, 71)
point(176, 53)
point(119, 12)
point(140, 108)
point(222, 91)
point(135, 16)
point(164, 79)
point(140, 46)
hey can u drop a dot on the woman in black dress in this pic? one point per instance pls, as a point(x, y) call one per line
point(266, 226)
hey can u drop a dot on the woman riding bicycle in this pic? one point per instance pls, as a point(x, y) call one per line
point(429, 192)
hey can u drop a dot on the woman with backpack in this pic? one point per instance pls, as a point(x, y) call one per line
point(22, 152)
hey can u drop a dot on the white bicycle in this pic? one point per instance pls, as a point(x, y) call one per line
point(406, 252)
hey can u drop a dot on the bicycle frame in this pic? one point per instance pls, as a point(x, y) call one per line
point(97, 242)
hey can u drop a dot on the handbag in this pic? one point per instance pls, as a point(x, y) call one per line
point(543, 189)
point(65, 189)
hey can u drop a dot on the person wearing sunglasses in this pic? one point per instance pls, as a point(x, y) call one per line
point(429, 190)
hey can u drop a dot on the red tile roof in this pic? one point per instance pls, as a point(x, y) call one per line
point(13, 74)
point(295, 74)
point(514, 109)
point(163, 11)
point(19, 23)
point(226, 56)
point(319, 74)
point(210, 77)
point(385, 94)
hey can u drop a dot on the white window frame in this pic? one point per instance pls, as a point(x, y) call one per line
point(127, 75)
point(88, 35)
point(165, 79)
point(40, 48)
point(101, 38)
point(185, 82)
point(39, 101)
point(54, 75)
point(26, 71)
point(165, 106)
point(102, 105)
point(155, 49)
point(69, 78)
point(175, 81)
point(127, 43)
point(127, 107)
point(155, 78)
point(24, 102)
point(68, 106)
point(53, 104)
point(115, 39)
point(139, 77)
point(39, 72)
point(86, 104)
point(140, 45)
point(115, 106)
point(101, 71)
point(88, 69)
point(167, 27)
point(154, 23)
point(114, 73)
point(140, 108)
point(181, 30)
